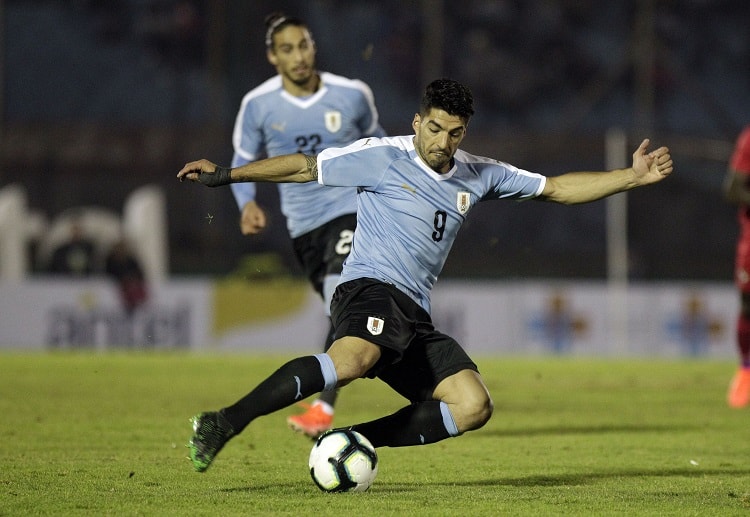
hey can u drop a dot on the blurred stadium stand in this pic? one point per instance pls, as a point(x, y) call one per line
point(100, 98)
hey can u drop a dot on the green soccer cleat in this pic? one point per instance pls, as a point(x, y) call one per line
point(211, 431)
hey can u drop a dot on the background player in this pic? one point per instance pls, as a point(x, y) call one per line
point(415, 193)
point(302, 110)
point(737, 190)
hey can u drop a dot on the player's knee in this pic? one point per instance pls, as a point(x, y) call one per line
point(474, 412)
point(352, 358)
point(482, 412)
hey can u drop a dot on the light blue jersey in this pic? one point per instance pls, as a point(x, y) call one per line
point(272, 122)
point(408, 214)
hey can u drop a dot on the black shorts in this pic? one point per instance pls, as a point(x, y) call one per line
point(322, 251)
point(415, 357)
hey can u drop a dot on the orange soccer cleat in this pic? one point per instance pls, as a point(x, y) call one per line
point(315, 421)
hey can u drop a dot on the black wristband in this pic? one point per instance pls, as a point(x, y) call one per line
point(220, 176)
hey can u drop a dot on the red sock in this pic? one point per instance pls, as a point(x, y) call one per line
point(743, 340)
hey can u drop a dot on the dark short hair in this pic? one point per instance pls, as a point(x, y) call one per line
point(278, 21)
point(450, 96)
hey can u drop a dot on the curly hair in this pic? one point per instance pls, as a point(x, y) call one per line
point(450, 96)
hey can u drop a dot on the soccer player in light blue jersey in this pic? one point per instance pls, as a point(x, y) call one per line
point(303, 110)
point(414, 194)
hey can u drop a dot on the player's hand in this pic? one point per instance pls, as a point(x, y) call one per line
point(651, 167)
point(253, 219)
point(205, 172)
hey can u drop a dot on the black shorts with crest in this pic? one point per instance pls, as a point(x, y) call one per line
point(415, 356)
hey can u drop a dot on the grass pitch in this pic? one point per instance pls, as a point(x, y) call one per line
point(105, 434)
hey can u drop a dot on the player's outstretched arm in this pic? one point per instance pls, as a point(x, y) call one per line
point(583, 187)
point(288, 168)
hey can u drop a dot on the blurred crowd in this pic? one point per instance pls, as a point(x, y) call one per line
point(158, 81)
point(87, 243)
point(546, 64)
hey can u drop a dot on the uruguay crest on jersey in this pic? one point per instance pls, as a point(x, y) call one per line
point(332, 120)
point(375, 325)
point(463, 201)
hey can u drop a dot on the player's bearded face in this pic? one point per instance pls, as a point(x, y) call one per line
point(293, 54)
point(437, 136)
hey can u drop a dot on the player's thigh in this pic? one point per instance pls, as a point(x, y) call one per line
point(338, 243)
point(467, 397)
point(322, 251)
point(429, 358)
point(377, 313)
point(353, 357)
point(309, 250)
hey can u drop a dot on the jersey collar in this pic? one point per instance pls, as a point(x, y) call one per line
point(305, 102)
point(434, 175)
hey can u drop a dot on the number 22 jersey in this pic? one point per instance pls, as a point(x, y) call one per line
point(272, 122)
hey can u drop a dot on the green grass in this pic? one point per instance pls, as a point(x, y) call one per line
point(104, 434)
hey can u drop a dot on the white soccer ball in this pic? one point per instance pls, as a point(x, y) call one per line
point(343, 461)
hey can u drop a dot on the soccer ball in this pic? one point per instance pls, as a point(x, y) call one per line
point(343, 460)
